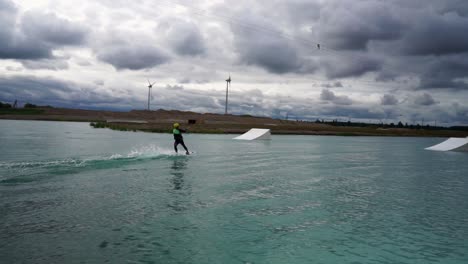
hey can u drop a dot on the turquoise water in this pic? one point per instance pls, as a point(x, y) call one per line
point(73, 194)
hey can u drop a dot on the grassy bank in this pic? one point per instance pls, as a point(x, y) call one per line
point(290, 128)
point(160, 121)
point(21, 111)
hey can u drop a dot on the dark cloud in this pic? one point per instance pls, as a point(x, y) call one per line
point(48, 27)
point(48, 64)
point(133, 57)
point(36, 35)
point(274, 55)
point(184, 37)
point(13, 43)
point(385, 75)
point(354, 66)
point(358, 112)
point(461, 113)
point(183, 98)
point(29, 88)
point(200, 80)
point(457, 6)
point(268, 51)
point(437, 35)
point(174, 87)
point(434, 83)
point(8, 13)
point(327, 95)
point(184, 80)
point(330, 96)
point(59, 93)
point(333, 85)
point(68, 94)
point(49, 91)
point(177, 97)
point(353, 26)
point(299, 11)
point(425, 100)
point(440, 7)
point(24, 50)
point(388, 99)
point(365, 113)
point(252, 102)
point(446, 73)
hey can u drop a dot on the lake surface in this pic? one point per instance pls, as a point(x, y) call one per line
point(73, 194)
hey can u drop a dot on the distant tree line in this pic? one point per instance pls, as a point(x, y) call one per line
point(5, 105)
point(8, 106)
point(391, 125)
point(27, 109)
point(26, 105)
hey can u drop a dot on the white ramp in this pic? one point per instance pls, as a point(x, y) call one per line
point(255, 134)
point(451, 144)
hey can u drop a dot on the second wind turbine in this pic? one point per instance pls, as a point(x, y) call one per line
point(228, 84)
point(150, 85)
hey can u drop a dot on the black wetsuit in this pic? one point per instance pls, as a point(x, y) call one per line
point(178, 139)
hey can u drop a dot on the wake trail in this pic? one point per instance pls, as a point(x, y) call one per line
point(141, 153)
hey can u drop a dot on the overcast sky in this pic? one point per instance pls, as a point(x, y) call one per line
point(378, 60)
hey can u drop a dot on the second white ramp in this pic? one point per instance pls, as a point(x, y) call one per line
point(255, 134)
point(455, 144)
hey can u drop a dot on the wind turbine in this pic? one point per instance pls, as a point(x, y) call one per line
point(150, 85)
point(228, 84)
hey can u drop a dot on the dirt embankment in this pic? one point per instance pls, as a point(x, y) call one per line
point(162, 120)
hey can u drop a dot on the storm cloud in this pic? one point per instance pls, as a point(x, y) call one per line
point(445, 73)
point(390, 59)
point(274, 55)
point(49, 28)
point(425, 100)
point(133, 57)
point(56, 92)
point(267, 51)
point(451, 36)
point(36, 35)
point(350, 67)
point(184, 37)
point(352, 27)
point(389, 99)
point(330, 96)
point(333, 85)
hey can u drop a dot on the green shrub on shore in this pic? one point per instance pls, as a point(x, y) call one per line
point(20, 111)
point(111, 126)
point(98, 124)
point(28, 105)
point(5, 106)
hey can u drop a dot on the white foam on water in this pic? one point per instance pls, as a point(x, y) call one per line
point(143, 152)
point(150, 151)
point(42, 164)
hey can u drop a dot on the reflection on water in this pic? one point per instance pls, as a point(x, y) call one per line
point(177, 171)
point(180, 191)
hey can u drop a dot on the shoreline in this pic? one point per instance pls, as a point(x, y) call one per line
point(160, 121)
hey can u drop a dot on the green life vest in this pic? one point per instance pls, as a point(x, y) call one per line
point(176, 131)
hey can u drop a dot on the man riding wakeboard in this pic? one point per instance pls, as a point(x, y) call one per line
point(178, 139)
